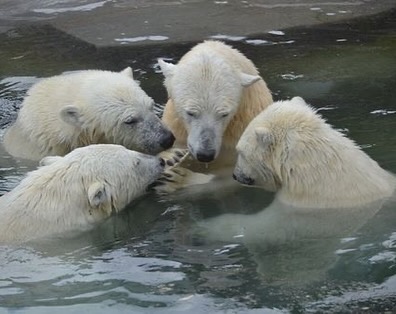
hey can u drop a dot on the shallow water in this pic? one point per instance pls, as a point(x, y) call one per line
point(147, 260)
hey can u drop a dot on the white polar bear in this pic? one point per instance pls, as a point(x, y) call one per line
point(64, 112)
point(75, 191)
point(326, 188)
point(314, 170)
point(214, 92)
point(290, 149)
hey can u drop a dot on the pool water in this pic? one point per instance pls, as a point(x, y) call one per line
point(151, 257)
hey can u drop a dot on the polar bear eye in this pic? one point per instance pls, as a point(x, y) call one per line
point(224, 114)
point(191, 113)
point(131, 120)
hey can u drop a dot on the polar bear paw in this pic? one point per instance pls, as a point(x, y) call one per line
point(173, 157)
point(176, 177)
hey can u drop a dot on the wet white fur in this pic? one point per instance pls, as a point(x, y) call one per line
point(67, 111)
point(214, 89)
point(289, 148)
point(75, 191)
point(326, 188)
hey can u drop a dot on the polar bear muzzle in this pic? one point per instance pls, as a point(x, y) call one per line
point(204, 143)
point(167, 139)
point(242, 178)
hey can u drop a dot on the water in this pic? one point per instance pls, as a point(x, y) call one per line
point(151, 258)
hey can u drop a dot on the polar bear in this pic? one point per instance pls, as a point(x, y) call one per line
point(313, 168)
point(64, 112)
point(77, 190)
point(214, 92)
point(326, 188)
point(290, 149)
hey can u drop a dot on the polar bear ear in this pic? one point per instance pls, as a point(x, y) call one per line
point(298, 100)
point(127, 72)
point(49, 160)
point(71, 115)
point(264, 136)
point(98, 195)
point(166, 68)
point(247, 79)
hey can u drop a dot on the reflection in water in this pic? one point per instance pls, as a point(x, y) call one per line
point(281, 230)
point(147, 260)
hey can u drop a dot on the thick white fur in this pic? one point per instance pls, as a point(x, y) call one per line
point(326, 188)
point(75, 191)
point(214, 92)
point(289, 148)
point(63, 112)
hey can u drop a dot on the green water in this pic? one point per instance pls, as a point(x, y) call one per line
point(147, 260)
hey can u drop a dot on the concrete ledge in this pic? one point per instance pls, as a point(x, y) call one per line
point(122, 22)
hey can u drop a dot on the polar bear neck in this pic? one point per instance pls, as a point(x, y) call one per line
point(254, 100)
point(335, 173)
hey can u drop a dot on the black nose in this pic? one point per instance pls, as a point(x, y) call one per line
point(162, 162)
point(243, 179)
point(167, 140)
point(206, 156)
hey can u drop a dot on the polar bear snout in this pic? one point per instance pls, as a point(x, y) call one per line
point(167, 140)
point(204, 143)
point(206, 156)
point(242, 178)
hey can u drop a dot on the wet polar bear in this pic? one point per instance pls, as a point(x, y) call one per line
point(326, 188)
point(214, 92)
point(64, 112)
point(314, 169)
point(78, 190)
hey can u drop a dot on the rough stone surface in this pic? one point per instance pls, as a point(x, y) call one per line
point(122, 22)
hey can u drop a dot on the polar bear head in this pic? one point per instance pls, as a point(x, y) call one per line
point(206, 91)
point(283, 145)
point(101, 178)
point(114, 109)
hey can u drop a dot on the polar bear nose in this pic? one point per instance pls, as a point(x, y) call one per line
point(167, 140)
point(243, 179)
point(206, 156)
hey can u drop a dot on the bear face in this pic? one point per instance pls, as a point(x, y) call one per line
point(74, 192)
point(206, 91)
point(64, 112)
point(112, 176)
point(283, 138)
point(121, 112)
point(289, 148)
